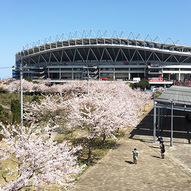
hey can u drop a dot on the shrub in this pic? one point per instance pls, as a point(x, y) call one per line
point(16, 110)
point(28, 79)
point(142, 84)
point(35, 82)
point(2, 90)
point(36, 99)
point(132, 85)
point(5, 116)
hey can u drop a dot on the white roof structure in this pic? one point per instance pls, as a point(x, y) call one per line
point(179, 95)
point(175, 98)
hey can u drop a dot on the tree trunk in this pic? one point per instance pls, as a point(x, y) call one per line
point(90, 151)
point(104, 137)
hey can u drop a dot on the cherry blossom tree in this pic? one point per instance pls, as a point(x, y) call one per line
point(54, 110)
point(107, 108)
point(39, 160)
point(45, 87)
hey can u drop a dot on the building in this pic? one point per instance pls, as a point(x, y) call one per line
point(104, 56)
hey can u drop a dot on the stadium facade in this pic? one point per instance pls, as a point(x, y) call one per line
point(104, 56)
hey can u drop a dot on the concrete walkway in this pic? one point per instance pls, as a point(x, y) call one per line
point(116, 172)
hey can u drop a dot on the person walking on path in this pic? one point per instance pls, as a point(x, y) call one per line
point(162, 148)
point(135, 155)
point(160, 139)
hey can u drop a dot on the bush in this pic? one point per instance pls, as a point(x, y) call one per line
point(28, 79)
point(157, 94)
point(2, 90)
point(142, 84)
point(35, 82)
point(36, 99)
point(1, 109)
point(132, 85)
point(5, 116)
point(16, 110)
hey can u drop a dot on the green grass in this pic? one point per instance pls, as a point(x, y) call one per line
point(5, 164)
point(98, 150)
point(5, 98)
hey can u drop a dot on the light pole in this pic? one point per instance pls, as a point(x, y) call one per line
point(21, 89)
point(91, 72)
point(88, 82)
point(88, 77)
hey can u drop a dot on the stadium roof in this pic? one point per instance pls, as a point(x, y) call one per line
point(104, 38)
point(178, 95)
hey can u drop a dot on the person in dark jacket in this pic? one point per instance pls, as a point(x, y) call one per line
point(160, 139)
point(162, 148)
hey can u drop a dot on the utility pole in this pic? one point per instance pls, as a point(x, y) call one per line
point(21, 89)
point(88, 82)
point(91, 72)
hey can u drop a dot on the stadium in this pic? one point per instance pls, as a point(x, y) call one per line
point(104, 56)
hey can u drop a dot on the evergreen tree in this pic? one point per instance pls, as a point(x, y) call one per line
point(16, 111)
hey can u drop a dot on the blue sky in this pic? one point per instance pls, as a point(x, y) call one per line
point(26, 21)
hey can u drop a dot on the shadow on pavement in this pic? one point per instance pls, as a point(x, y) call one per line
point(130, 162)
point(156, 157)
point(181, 126)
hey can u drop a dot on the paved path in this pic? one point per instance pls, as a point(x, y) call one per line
point(116, 172)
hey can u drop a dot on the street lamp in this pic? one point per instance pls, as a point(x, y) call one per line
point(154, 91)
point(88, 77)
point(91, 73)
point(21, 89)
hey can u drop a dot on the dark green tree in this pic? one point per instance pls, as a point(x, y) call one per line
point(5, 116)
point(16, 110)
point(142, 84)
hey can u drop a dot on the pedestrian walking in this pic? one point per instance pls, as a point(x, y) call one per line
point(135, 155)
point(160, 139)
point(162, 148)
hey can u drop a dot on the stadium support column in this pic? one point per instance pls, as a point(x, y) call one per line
point(171, 131)
point(48, 73)
point(144, 73)
point(154, 122)
point(99, 73)
point(129, 74)
point(158, 128)
point(179, 75)
point(59, 73)
point(113, 73)
point(72, 73)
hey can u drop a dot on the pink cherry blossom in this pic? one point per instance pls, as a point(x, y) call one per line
point(39, 159)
